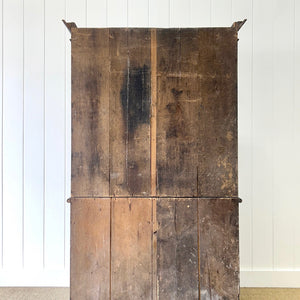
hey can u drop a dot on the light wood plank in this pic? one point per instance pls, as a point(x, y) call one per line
point(131, 248)
point(90, 248)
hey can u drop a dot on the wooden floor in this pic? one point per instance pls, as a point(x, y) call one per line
point(63, 294)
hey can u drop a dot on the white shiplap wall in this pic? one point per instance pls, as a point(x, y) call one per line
point(35, 128)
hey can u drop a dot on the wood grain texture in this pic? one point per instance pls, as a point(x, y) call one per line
point(129, 112)
point(219, 248)
point(90, 112)
point(196, 112)
point(131, 248)
point(90, 248)
point(177, 249)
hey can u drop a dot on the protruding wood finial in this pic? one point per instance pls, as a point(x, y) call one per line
point(70, 25)
point(237, 25)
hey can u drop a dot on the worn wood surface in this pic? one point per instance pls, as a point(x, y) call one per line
point(184, 81)
point(90, 249)
point(177, 249)
point(196, 112)
point(148, 248)
point(131, 248)
point(154, 129)
point(90, 112)
point(219, 248)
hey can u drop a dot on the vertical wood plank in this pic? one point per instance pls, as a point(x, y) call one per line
point(131, 248)
point(12, 133)
point(33, 133)
point(180, 13)
point(129, 112)
point(90, 113)
point(90, 248)
point(192, 101)
point(138, 13)
point(138, 111)
point(75, 11)
point(283, 162)
point(219, 248)
point(262, 135)
point(54, 135)
point(243, 10)
point(159, 13)
point(177, 249)
point(153, 112)
point(117, 128)
point(200, 13)
point(97, 13)
point(117, 14)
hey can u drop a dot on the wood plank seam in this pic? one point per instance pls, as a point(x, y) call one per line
point(153, 111)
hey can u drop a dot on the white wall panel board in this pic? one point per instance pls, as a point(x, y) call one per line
point(159, 13)
point(180, 13)
point(96, 13)
point(283, 18)
point(117, 13)
point(13, 134)
point(263, 140)
point(33, 133)
point(243, 10)
point(54, 135)
point(200, 14)
point(138, 13)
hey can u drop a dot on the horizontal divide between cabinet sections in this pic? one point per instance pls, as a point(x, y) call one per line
point(154, 248)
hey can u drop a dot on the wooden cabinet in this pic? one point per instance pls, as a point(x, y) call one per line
point(154, 206)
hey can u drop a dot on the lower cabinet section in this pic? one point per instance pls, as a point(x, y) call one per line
point(154, 248)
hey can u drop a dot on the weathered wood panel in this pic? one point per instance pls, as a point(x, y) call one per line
point(219, 248)
point(130, 112)
point(131, 248)
point(177, 249)
point(196, 112)
point(90, 112)
point(90, 249)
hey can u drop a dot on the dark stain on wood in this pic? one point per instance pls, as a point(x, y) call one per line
point(196, 112)
point(191, 252)
point(135, 97)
